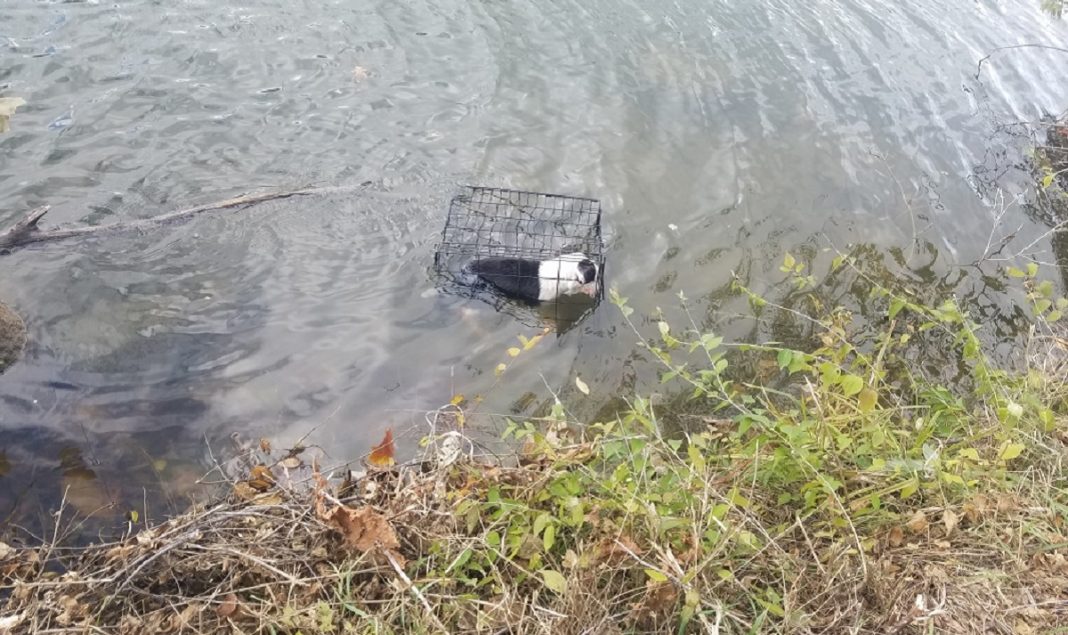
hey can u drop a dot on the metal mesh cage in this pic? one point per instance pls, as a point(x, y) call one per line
point(492, 227)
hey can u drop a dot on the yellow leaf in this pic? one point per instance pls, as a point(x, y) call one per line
point(500, 369)
point(513, 351)
point(581, 385)
point(1012, 451)
point(851, 384)
point(457, 399)
point(554, 581)
point(656, 576)
point(867, 400)
point(529, 344)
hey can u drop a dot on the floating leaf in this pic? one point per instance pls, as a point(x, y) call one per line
point(1012, 451)
point(132, 516)
point(867, 400)
point(513, 351)
point(500, 369)
point(851, 384)
point(382, 455)
point(457, 399)
point(554, 581)
point(529, 344)
point(664, 327)
point(581, 385)
point(8, 105)
point(1047, 180)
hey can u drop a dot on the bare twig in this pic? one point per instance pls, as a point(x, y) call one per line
point(26, 231)
point(979, 67)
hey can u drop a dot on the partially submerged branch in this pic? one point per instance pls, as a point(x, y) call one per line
point(26, 231)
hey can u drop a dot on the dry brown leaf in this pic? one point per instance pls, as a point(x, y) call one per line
point(614, 551)
point(657, 603)
point(365, 530)
point(918, 523)
point(244, 491)
point(271, 498)
point(260, 478)
point(896, 537)
point(383, 454)
point(228, 606)
point(265, 445)
point(950, 519)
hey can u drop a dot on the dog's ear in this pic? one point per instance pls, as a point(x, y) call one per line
point(588, 271)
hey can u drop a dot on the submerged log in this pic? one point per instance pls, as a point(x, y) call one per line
point(26, 231)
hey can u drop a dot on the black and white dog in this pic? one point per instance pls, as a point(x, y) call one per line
point(538, 280)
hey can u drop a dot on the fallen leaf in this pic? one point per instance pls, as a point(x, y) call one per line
point(950, 519)
point(657, 603)
point(529, 344)
point(290, 462)
point(244, 491)
point(228, 606)
point(896, 537)
point(615, 551)
point(260, 478)
point(457, 399)
point(265, 445)
point(382, 455)
point(8, 105)
point(365, 530)
point(513, 351)
point(918, 523)
point(581, 385)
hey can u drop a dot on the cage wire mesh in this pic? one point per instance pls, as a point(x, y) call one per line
point(500, 246)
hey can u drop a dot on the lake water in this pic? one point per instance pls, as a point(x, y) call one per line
point(717, 136)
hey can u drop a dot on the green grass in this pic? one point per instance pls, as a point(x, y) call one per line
point(879, 472)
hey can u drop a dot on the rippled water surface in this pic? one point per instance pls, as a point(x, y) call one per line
point(716, 135)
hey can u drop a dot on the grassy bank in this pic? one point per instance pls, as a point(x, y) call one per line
point(879, 472)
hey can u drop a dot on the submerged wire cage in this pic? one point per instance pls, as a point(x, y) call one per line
point(486, 223)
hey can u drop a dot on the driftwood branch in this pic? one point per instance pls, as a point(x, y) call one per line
point(26, 231)
point(979, 66)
